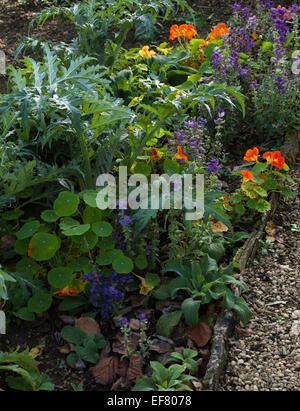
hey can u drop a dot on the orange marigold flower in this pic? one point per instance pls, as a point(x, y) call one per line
point(29, 251)
point(247, 175)
point(184, 30)
point(145, 52)
point(219, 31)
point(66, 291)
point(179, 154)
point(154, 154)
point(252, 155)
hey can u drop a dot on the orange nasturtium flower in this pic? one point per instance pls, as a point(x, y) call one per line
point(252, 155)
point(254, 35)
point(219, 31)
point(247, 176)
point(145, 52)
point(66, 291)
point(179, 154)
point(184, 30)
point(275, 159)
point(154, 154)
point(29, 251)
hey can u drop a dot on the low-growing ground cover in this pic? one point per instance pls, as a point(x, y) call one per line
point(127, 297)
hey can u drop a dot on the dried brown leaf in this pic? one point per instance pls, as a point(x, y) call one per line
point(106, 370)
point(200, 333)
point(135, 369)
point(88, 325)
point(219, 227)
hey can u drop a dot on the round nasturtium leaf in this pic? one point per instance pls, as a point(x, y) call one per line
point(49, 216)
point(21, 246)
point(102, 228)
point(142, 168)
point(66, 204)
point(141, 261)
point(27, 265)
point(60, 277)
point(44, 246)
point(115, 253)
point(79, 264)
point(152, 279)
point(28, 230)
point(39, 302)
point(89, 197)
point(106, 244)
point(91, 215)
point(171, 166)
point(123, 265)
point(68, 222)
point(77, 230)
point(91, 238)
point(104, 259)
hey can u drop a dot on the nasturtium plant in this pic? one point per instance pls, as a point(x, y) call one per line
point(59, 277)
point(49, 216)
point(141, 261)
point(28, 229)
point(27, 265)
point(44, 246)
point(66, 204)
point(39, 302)
point(122, 265)
point(102, 228)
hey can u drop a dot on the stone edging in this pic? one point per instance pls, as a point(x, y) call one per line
point(225, 324)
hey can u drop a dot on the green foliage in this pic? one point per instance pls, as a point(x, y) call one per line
point(29, 377)
point(87, 346)
point(172, 378)
point(205, 281)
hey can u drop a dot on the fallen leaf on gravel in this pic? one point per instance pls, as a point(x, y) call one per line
point(106, 370)
point(242, 332)
point(88, 325)
point(135, 369)
point(271, 229)
point(200, 333)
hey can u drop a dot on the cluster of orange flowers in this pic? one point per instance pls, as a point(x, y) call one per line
point(219, 31)
point(184, 30)
point(274, 158)
point(179, 154)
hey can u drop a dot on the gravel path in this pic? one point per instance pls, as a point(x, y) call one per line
point(268, 359)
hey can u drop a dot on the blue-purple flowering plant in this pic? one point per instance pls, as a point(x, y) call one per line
point(143, 343)
point(256, 56)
